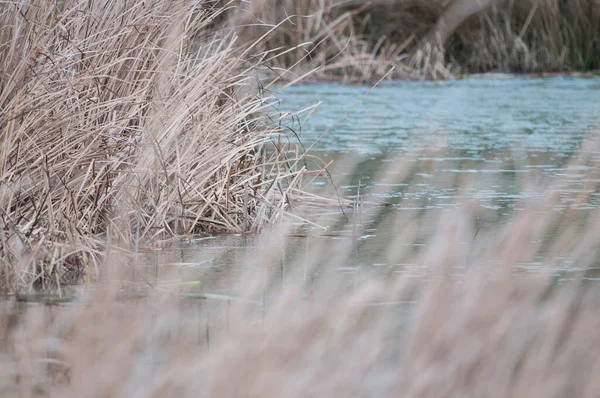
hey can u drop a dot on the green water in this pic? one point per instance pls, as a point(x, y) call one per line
point(422, 149)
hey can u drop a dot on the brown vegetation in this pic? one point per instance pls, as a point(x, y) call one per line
point(133, 118)
point(136, 117)
point(473, 325)
point(122, 123)
point(361, 41)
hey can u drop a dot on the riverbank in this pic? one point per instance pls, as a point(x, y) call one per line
point(496, 75)
point(359, 41)
point(462, 76)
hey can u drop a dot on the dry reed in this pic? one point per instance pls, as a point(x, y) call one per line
point(531, 36)
point(130, 117)
point(472, 325)
point(116, 130)
point(357, 41)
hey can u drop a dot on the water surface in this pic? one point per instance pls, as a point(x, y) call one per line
point(480, 118)
point(422, 149)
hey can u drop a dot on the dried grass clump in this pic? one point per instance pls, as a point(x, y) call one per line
point(129, 117)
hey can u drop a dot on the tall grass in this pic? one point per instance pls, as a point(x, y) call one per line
point(473, 324)
point(531, 36)
point(328, 38)
point(133, 117)
point(362, 41)
point(127, 123)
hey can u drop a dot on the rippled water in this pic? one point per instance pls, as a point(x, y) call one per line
point(480, 118)
point(491, 136)
point(496, 131)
